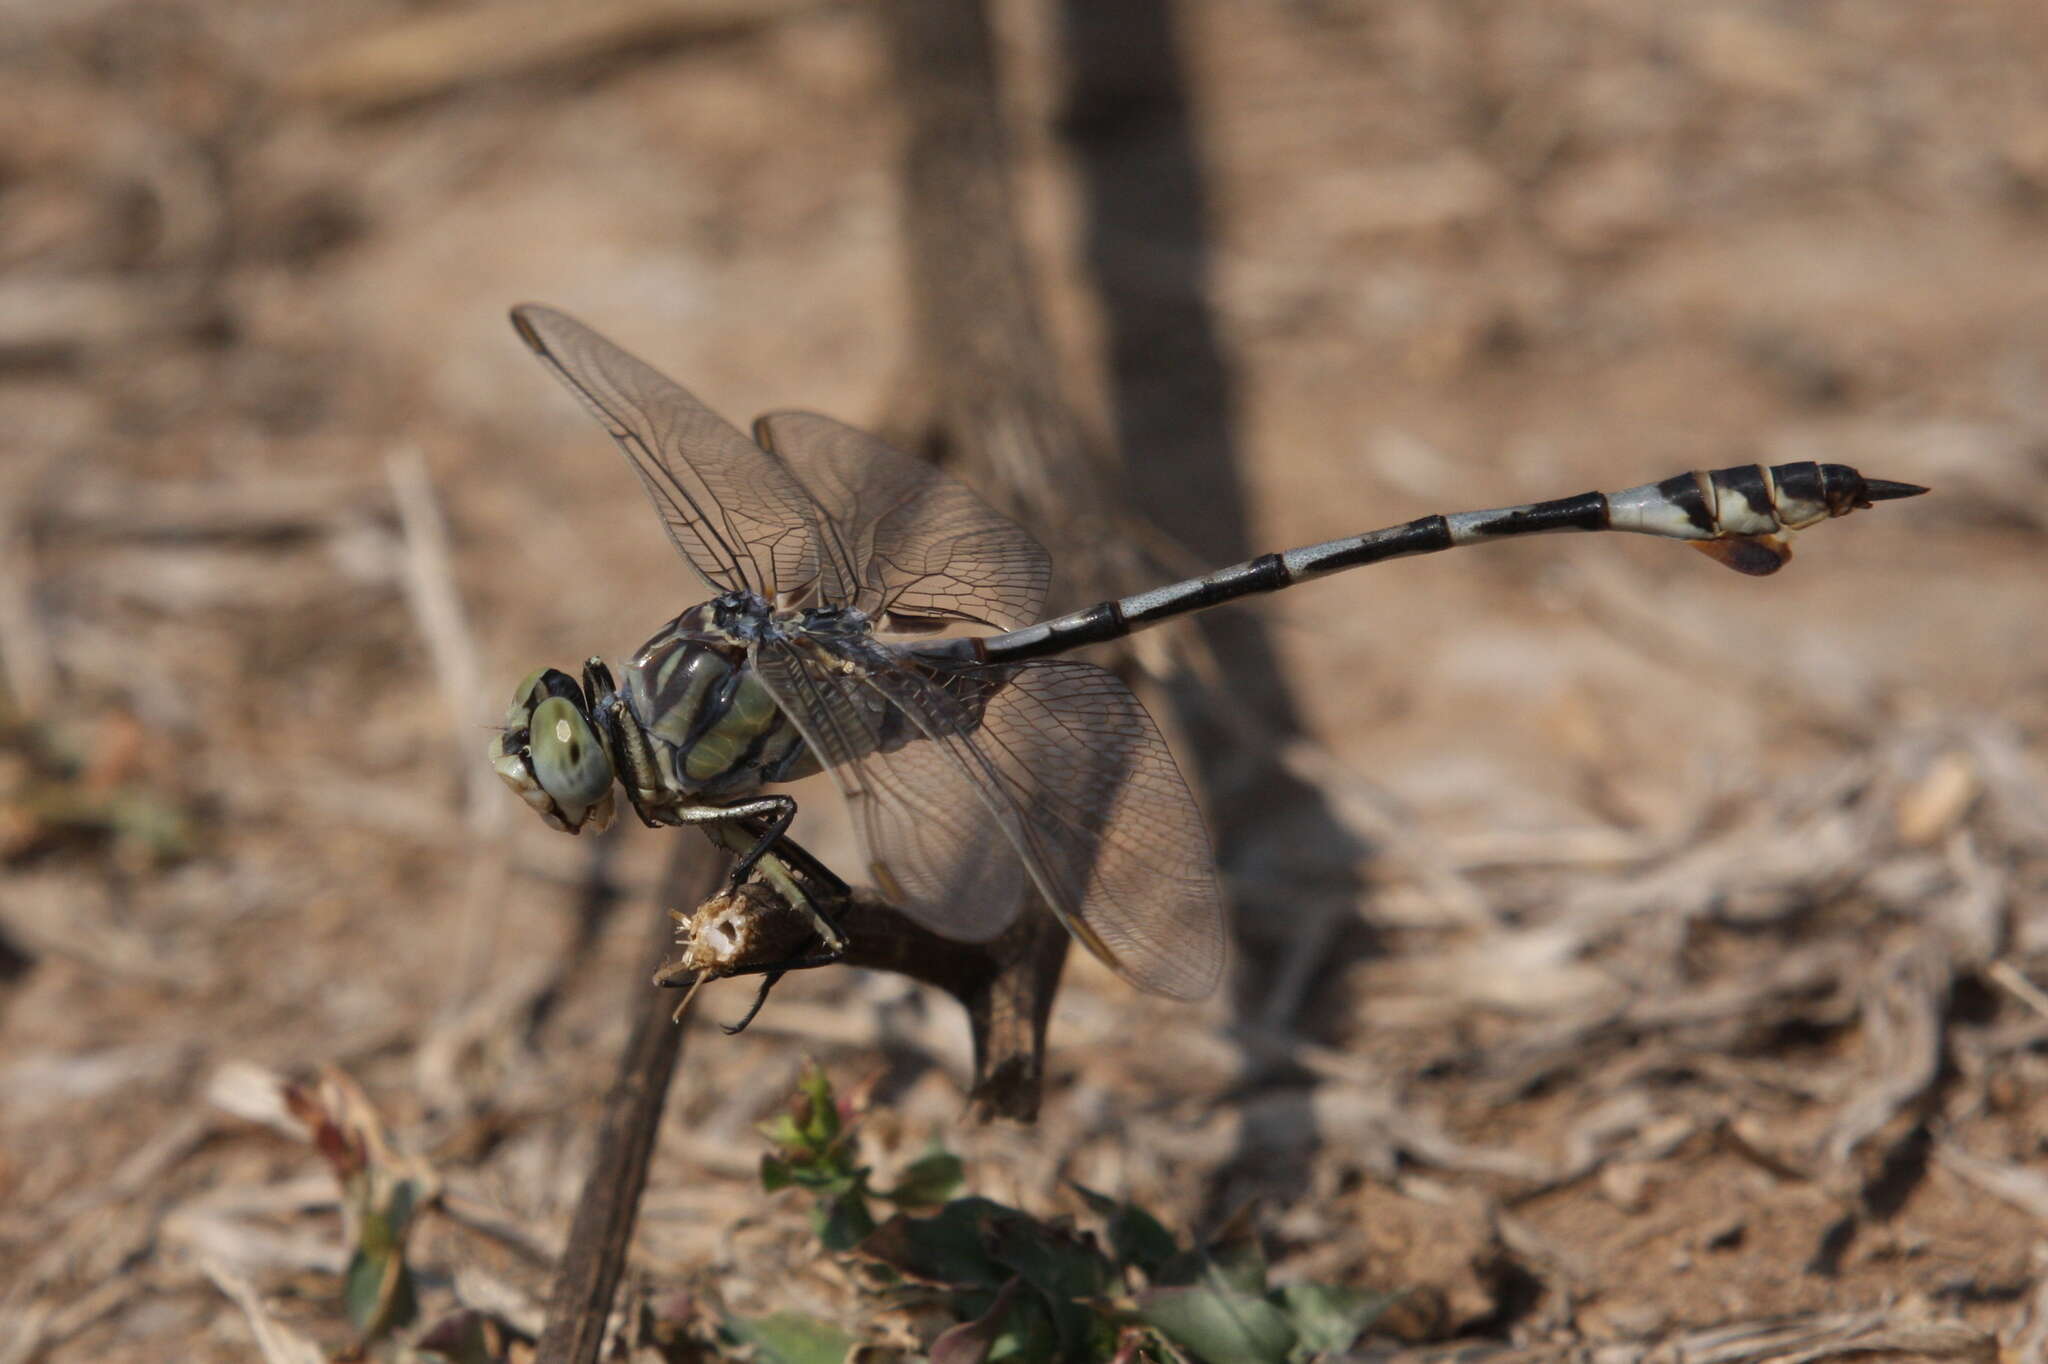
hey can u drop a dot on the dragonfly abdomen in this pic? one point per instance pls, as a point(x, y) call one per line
point(1738, 516)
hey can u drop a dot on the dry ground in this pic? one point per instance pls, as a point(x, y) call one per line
point(1688, 984)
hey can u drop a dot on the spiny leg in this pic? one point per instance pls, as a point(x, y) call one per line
point(786, 866)
point(753, 1012)
point(767, 818)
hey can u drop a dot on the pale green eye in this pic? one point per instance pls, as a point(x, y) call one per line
point(532, 688)
point(568, 761)
point(551, 755)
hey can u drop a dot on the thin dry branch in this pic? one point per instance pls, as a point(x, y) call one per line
point(425, 55)
point(580, 1299)
point(444, 626)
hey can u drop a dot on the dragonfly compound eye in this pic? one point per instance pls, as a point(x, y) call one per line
point(550, 754)
point(569, 763)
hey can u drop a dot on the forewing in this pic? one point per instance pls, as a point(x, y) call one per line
point(919, 541)
point(737, 514)
point(938, 847)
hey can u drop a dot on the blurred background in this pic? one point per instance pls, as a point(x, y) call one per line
point(1636, 948)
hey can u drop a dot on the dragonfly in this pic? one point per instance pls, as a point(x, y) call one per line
point(980, 769)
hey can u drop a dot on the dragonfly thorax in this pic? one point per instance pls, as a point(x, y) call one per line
point(711, 728)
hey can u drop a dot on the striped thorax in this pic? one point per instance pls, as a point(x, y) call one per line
point(713, 728)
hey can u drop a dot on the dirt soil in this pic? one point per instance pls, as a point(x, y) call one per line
point(1679, 987)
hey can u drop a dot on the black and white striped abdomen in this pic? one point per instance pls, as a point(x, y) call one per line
point(1737, 516)
point(1753, 499)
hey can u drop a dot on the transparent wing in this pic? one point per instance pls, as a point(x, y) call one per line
point(1111, 833)
point(918, 809)
point(917, 540)
point(1060, 761)
point(737, 514)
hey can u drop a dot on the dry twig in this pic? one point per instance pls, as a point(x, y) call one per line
point(429, 54)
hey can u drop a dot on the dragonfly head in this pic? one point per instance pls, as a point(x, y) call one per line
point(550, 753)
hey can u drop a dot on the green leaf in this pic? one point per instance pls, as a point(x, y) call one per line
point(808, 1128)
point(972, 1342)
point(782, 1129)
point(377, 1293)
point(842, 1222)
point(1221, 1326)
point(1054, 1259)
point(1135, 1236)
point(792, 1338)
point(1327, 1319)
point(928, 1181)
point(362, 1290)
point(946, 1248)
point(1236, 1255)
point(1235, 1260)
point(828, 1178)
point(821, 1126)
point(776, 1174)
point(399, 1211)
point(1028, 1336)
point(1060, 1264)
point(1182, 1269)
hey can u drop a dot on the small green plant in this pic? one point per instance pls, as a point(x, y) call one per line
point(1022, 1288)
point(814, 1152)
point(382, 1194)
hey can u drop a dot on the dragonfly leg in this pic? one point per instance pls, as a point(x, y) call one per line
point(771, 972)
point(803, 882)
point(766, 817)
point(797, 874)
point(760, 998)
